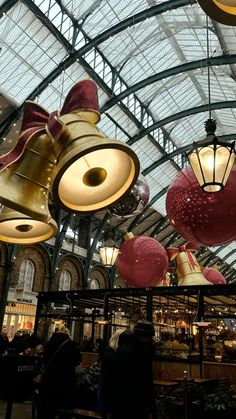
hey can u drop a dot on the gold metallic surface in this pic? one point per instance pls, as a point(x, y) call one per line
point(24, 185)
point(81, 150)
point(24, 228)
point(21, 229)
point(95, 176)
point(187, 273)
point(222, 11)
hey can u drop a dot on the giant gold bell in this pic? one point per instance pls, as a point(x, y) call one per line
point(223, 11)
point(18, 228)
point(92, 171)
point(187, 274)
point(25, 184)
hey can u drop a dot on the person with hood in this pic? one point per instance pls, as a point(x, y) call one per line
point(127, 381)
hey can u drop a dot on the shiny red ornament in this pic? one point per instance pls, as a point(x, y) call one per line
point(205, 218)
point(142, 262)
point(214, 276)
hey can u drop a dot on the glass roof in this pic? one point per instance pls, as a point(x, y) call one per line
point(148, 58)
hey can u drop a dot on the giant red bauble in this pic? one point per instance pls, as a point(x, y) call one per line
point(202, 217)
point(142, 261)
point(214, 276)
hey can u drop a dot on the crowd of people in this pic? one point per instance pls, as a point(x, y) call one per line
point(125, 385)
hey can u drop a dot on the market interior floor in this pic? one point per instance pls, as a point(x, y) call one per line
point(19, 411)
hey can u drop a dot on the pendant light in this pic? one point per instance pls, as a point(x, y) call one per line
point(108, 250)
point(211, 159)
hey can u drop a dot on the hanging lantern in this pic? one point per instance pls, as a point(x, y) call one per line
point(211, 160)
point(108, 251)
point(223, 11)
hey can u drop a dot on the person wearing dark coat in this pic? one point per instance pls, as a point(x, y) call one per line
point(127, 382)
point(59, 384)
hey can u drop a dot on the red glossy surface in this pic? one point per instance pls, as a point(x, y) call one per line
point(205, 218)
point(142, 261)
point(213, 276)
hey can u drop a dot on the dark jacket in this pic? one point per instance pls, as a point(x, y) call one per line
point(58, 388)
point(127, 384)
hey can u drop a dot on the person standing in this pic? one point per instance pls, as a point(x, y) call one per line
point(59, 384)
point(127, 381)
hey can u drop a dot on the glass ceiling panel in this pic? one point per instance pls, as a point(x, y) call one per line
point(123, 120)
point(108, 14)
point(229, 36)
point(146, 151)
point(135, 63)
point(29, 52)
point(161, 177)
point(52, 98)
point(179, 95)
point(188, 129)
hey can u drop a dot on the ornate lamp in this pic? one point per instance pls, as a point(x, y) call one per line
point(211, 159)
point(108, 250)
point(223, 11)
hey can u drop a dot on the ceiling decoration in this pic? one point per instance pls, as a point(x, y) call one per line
point(148, 59)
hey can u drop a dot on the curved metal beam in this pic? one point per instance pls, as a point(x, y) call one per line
point(228, 255)
point(183, 114)
point(153, 200)
point(7, 5)
point(174, 235)
point(215, 253)
point(182, 150)
point(231, 265)
point(159, 225)
point(183, 68)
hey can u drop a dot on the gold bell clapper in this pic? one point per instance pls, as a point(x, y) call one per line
point(20, 229)
point(92, 171)
point(187, 267)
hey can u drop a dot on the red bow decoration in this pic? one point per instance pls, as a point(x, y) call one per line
point(174, 251)
point(83, 95)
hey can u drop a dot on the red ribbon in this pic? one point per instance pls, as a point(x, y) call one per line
point(174, 251)
point(83, 95)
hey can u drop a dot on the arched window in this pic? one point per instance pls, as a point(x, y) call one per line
point(94, 284)
point(65, 281)
point(26, 275)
